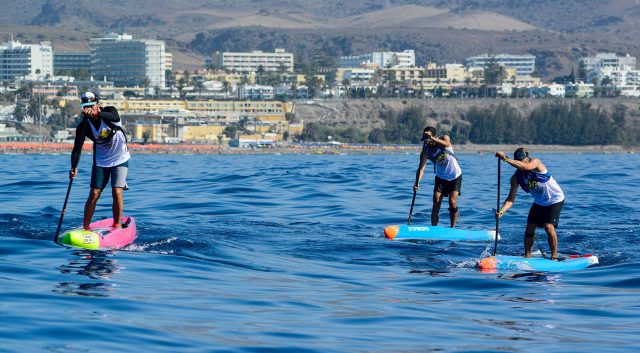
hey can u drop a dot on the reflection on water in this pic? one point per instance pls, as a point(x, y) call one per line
point(96, 265)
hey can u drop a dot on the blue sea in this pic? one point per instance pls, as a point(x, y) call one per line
point(286, 253)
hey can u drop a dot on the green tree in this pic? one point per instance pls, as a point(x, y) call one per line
point(19, 112)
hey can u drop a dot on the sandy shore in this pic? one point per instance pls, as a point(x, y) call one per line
point(54, 148)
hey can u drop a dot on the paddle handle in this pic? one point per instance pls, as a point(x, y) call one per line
point(64, 208)
point(413, 201)
point(495, 245)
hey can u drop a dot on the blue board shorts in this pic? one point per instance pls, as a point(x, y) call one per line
point(100, 176)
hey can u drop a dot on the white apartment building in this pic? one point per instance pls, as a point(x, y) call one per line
point(168, 61)
point(602, 60)
point(386, 59)
point(251, 61)
point(525, 65)
point(31, 60)
point(255, 92)
point(620, 70)
point(127, 61)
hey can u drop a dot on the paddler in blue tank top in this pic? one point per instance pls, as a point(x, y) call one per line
point(532, 176)
point(448, 175)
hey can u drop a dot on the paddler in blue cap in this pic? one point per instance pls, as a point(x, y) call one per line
point(533, 177)
point(448, 174)
point(102, 125)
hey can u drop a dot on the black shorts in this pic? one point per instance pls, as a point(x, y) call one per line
point(445, 187)
point(541, 215)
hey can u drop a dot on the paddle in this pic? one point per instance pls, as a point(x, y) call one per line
point(495, 245)
point(64, 208)
point(411, 210)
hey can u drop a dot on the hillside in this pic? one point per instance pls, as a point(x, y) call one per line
point(367, 114)
point(439, 30)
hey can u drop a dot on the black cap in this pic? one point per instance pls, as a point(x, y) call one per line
point(520, 154)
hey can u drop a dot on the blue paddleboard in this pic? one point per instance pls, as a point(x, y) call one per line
point(406, 232)
point(519, 263)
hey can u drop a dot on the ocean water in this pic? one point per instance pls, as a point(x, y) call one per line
point(285, 253)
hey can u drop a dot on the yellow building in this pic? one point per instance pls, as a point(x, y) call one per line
point(403, 75)
point(170, 121)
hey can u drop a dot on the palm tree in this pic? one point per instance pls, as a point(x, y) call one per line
point(197, 84)
point(19, 113)
point(145, 83)
point(260, 73)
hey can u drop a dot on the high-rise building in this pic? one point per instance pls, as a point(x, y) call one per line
point(65, 62)
point(525, 65)
point(384, 59)
point(127, 61)
point(17, 59)
point(251, 61)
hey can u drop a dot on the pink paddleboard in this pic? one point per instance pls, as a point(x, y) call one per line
point(102, 235)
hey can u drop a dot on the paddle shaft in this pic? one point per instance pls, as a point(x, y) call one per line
point(495, 245)
point(411, 210)
point(64, 208)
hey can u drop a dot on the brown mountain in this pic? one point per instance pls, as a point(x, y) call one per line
point(558, 32)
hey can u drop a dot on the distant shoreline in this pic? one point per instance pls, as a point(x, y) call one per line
point(56, 148)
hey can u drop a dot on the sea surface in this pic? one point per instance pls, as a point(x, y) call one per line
point(286, 253)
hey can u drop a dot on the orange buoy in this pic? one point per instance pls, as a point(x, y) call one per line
point(488, 263)
point(391, 231)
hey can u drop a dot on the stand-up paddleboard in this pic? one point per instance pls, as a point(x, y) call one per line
point(514, 263)
point(102, 235)
point(406, 232)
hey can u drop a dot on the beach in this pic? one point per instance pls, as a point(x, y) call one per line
point(315, 148)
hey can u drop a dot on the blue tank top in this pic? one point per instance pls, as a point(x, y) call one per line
point(541, 186)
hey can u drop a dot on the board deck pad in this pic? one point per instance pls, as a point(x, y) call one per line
point(409, 232)
point(102, 235)
point(515, 263)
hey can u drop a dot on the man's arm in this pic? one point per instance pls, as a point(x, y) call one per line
point(110, 114)
point(445, 141)
point(530, 165)
point(420, 171)
point(77, 148)
point(511, 198)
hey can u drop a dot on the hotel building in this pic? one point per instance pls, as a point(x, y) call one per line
point(250, 61)
point(17, 59)
point(525, 65)
point(127, 61)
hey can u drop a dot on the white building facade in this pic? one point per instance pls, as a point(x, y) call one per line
point(127, 61)
point(29, 60)
point(251, 61)
point(405, 58)
point(525, 65)
point(619, 72)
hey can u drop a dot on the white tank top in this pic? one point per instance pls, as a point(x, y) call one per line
point(447, 166)
point(546, 193)
point(109, 153)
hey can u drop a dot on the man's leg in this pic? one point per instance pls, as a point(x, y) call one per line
point(552, 238)
point(453, 208)
point(90, 206)
point(435, 210)
point(118, 182)
point(118, 205)
point(529, 239)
